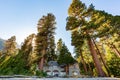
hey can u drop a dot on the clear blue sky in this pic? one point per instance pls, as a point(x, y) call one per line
point(20, 17)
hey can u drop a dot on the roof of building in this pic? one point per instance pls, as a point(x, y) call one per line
point(52, 63)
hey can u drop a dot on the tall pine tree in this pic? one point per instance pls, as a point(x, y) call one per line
point(45, 38)
point(80, 22)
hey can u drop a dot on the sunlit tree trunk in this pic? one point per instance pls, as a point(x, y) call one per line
point(84, 64)
point(95, 58)
point(42, 60)
point(41, 63)
point(116, 50)
point(113, 47)
point(98, 51)
point(45, 38)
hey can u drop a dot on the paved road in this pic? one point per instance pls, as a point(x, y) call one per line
point(59, 78)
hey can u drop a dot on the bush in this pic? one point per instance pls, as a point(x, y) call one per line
point(41, 73)
point(114, 66)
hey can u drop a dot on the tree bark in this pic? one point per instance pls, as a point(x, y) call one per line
point(67, 69)
point(98, 51)
point(90, 69)
point(115, 50)
point(41, 63)
point(84, 64)
point(113, 47)
point(95, 58)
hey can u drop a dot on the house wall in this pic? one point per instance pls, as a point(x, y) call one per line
point(74, 70)
point(51, 70)
point(57, 70)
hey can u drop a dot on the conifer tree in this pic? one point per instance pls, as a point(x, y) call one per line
point(65, 57)
point(10, 46)
point(59, 46)
point(45, 38)
point(81, 23)
point(27, 49)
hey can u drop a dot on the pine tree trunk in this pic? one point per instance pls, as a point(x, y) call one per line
point(41, 63)
point(95, 58)
point(116, 50)
point(67, 69)
point(98, 51)
point(84, 64)
point(90, 69)
point(113, 47)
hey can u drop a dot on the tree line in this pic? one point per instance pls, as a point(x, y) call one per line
point(35, 52)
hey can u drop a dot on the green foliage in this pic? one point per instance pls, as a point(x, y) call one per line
point(88, 23)
point(45, 36)
point(73, 23)
point(83, 57)
point(13, 65)
point(65, 56)
point(76, 8)
point(10, 46)
point(17, 66)
point(41, 73)
point(77, 39)
point(34, 47)
point(85, 23)
point(114, 65)
point(28, 49)
point(59, 45)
